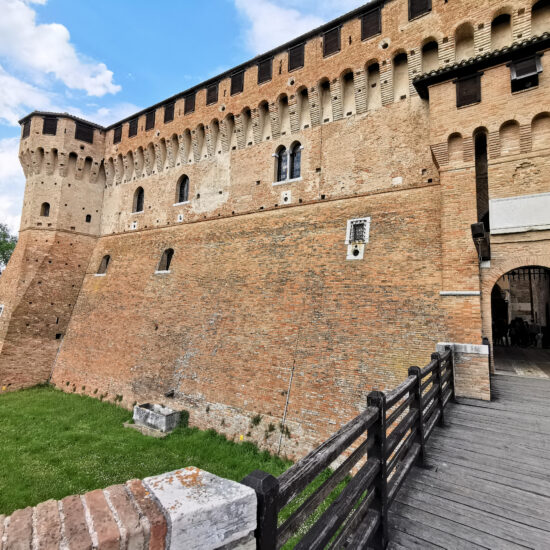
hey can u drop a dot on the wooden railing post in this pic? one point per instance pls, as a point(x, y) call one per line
point(417, 404)
point(267, 491)
point(437, 357)
point(376, 448)
point(452, 378)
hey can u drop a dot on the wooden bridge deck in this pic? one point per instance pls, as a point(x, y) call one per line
point(487, 481)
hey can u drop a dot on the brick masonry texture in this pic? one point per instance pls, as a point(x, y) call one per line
point(259, 290)
point(124, 517)
point(187, 508)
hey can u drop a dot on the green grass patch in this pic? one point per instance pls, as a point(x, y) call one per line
point(54, 444)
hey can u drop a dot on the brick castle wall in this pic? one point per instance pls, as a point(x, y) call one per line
point(260, 285)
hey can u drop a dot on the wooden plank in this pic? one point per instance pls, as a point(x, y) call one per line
point(330, 521)
point(438, 531)
point(477, 500)
point(393, 396)
point(475, 518)
point(401, 540)
point(484, 473)
point(293, 523)
point(361, 537)
point(506, 450)
point(400, 474)
point(298, 477)
point(515, 500)
point(476, 451)
point(354, 521)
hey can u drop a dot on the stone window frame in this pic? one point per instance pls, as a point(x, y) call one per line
point(1, 309)
point(349, 230)
point(288, 151)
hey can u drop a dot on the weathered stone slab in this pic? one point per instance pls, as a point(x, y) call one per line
point(205, 511)
point(156, 417)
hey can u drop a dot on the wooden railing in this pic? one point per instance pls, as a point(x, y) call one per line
point(379, 447)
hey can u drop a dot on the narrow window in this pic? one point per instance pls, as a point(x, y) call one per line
point(182, 192)
point(84, 132)
point(212, 94)
point(468, 90)
point(49, 127)
point(150, 120)
point(282, 164)
point(88, 218)
point(189, 104)
point(371, 24)
point(169, 112)
point(166, 260)
point(26, 129)
point(45, 209)
point(117, 135)
point(295, 160)
point(265, 70)
point(133, 127)
point(331, 42)
point(237, 83)
point(419, 7)
point(104, 265)
point(296, 57)
point(357, 232)
point(525, 73)
point(482, 177)
point(139, 198)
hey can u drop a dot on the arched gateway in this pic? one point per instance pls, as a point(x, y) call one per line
point(520, 321)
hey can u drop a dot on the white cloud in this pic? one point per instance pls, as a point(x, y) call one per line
point(12, 183)
point(272, 24)
point(18, 97)
point(105, 116)
point(45, 49)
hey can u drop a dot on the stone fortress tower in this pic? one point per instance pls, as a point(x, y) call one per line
point(287, 236)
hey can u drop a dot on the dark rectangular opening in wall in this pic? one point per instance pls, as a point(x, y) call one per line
point(524, 73)
point(212, 94)
point(84, 132)
point(117, 135)
point(468, 90)
point(331, 42)
point(169, 112)
point(237, 83)
point(419, 7)
point(150, 120)
point(265, 70)
point(296, 57)
point(371, 24)
point(133, 127)
point(189, 104)
point(26, 129)
point(50, 126)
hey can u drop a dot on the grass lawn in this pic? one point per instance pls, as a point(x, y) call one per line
point(54, 444)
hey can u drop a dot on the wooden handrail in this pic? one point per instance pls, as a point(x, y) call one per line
point(397, 424)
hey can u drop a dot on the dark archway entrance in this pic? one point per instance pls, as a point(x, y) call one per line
point(520, 307)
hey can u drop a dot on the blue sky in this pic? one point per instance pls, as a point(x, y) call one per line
point(105, 59)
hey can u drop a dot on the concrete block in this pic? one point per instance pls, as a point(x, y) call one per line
point(205, 511)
